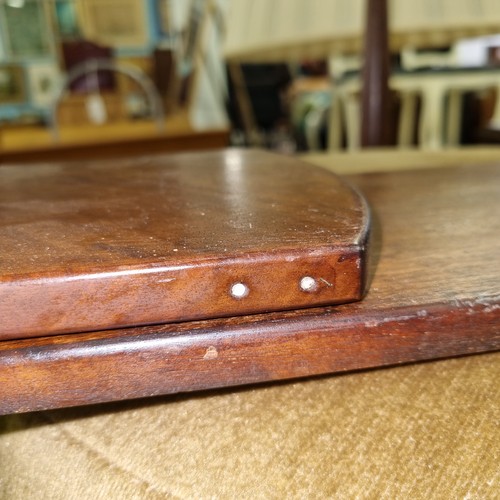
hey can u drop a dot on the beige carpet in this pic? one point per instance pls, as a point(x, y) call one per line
point(425, 431)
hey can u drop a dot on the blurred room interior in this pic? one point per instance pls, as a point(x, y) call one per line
point(283, 75)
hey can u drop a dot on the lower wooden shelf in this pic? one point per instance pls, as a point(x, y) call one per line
point(110, 140)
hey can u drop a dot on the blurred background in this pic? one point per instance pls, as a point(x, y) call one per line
point(279, 74)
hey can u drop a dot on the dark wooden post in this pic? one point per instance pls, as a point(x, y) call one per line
point(375, 105)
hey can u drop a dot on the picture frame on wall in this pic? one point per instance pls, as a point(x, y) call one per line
point(115, 23)
point(25, 30)
point(44, 82)
point(12, 84)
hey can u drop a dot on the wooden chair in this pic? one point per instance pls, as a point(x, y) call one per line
point(375, 111)
point(334, 27)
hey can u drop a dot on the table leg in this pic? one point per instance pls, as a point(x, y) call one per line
point(431, 118)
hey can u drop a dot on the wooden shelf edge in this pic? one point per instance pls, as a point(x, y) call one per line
point(85, 369)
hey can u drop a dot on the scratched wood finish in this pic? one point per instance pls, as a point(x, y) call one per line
point(126, 243)
point(434, 292)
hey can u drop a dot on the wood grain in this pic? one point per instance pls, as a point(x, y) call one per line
point(435, 292)
point(125, 243)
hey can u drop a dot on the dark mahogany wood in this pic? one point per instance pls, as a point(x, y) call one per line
point(375, 96)
point(95, 245)
point(434, 292)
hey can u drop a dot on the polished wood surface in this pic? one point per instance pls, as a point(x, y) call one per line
point(434, 292)
point(92, 246)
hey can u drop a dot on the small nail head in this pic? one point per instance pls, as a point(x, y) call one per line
point(239, 290)
point(308, 284)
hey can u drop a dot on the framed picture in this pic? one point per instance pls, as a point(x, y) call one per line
point(114, 23)
point(25, 30)
point(44, 80)
point(12, 84)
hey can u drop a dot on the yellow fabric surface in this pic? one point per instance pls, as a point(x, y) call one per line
point(421, 431)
